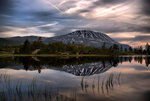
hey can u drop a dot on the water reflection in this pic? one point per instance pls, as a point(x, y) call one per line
point(17, 91)
point(101, 85)
point(75, 78)
point(79, 66)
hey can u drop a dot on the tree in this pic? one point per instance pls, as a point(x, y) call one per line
point(125, 50)
point(39, 41)
point(115, 48)
point(140, 49)
point(16, 51)
point(121, 48)
point(26, 48)
point(37, 44)
point(147, 48)
point(104, 46)
point(130, 49)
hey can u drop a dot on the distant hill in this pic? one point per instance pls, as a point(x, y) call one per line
point(12, 41)
point(8, 42)
point(22, 39)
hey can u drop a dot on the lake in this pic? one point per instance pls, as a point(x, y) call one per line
point(123, 78)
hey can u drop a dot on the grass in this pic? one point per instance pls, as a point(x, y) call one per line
point(104, 85)
point(32, 92)
point(15, 91)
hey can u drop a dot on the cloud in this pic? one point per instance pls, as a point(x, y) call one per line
point(134, 39)
point(6, 6)
point(58, 17)
point(146, 7)
point(142, 38)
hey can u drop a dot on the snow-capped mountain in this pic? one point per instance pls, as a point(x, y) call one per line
point(86, 37)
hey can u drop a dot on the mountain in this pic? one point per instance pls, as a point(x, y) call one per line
point(84, 37)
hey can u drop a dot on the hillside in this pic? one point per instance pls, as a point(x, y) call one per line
point(87, 38)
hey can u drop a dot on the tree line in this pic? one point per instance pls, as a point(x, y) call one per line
point(61, 48)
point(142, 50)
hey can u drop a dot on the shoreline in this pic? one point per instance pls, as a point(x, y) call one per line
point(59, 55)
point(52, 55)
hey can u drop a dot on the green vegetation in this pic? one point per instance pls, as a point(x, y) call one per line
point(58, 48)
point(8, 49)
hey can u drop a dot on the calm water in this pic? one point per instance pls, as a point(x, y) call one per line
point(75, 79)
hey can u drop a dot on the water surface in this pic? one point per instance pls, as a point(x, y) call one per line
point(75, 79)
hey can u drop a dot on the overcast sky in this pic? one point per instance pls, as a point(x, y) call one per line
point(127, 21)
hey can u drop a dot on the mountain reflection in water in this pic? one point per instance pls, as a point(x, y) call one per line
point(79, 66)
point(75, 78)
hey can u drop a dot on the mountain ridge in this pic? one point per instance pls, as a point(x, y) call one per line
point(84, 37)
point(87, 38)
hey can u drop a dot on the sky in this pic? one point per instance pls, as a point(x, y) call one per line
point(127, 21)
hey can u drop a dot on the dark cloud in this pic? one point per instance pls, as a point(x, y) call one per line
point(6, 6)
point(6, 14)
point(146, 7)
point(110, 1)
point(107, 3)
point(142, 38)
point(49, 16)
point(137, 28)
point(136, 38)
point(106, 27)
point(41, 16)
point(84, 11)
point(111, 26)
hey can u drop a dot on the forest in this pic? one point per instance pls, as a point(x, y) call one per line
point(38, 47)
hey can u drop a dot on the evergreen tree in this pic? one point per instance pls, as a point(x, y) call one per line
point(104, 46)
point(147, 48)
point(26, 48)
point(125, 50)
point(121, 49)
point(140, 49)
point(37, 44)
point(115, 48)
point(16, 51)
point(130, 49)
